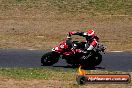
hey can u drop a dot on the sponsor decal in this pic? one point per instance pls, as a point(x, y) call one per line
point(83, 78)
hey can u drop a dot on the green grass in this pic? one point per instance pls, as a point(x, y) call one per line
point(38, 73)
point(66, 76)
point(92, 7)
point(48, 73)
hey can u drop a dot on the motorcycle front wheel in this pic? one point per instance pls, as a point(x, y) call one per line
point(49, 59)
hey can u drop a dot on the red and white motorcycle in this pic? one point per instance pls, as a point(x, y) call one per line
point(72, 52)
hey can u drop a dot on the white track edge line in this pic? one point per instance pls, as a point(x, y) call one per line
point(116, 51)
point(31, 49)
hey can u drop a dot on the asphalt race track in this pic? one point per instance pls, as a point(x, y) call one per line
point(117, 61)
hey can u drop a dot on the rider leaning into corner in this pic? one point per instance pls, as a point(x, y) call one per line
point(91, 39)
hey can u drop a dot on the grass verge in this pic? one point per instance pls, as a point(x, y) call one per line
point(59, 77)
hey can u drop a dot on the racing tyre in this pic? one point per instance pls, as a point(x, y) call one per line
point(98, 59)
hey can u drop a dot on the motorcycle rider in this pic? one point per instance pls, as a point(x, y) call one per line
point(91, 39)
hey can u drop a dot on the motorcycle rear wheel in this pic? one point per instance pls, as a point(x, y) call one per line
point(98, 59)
point(92, 61)
point(49, 59)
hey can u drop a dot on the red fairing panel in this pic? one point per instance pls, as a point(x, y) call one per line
point(60, 48)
